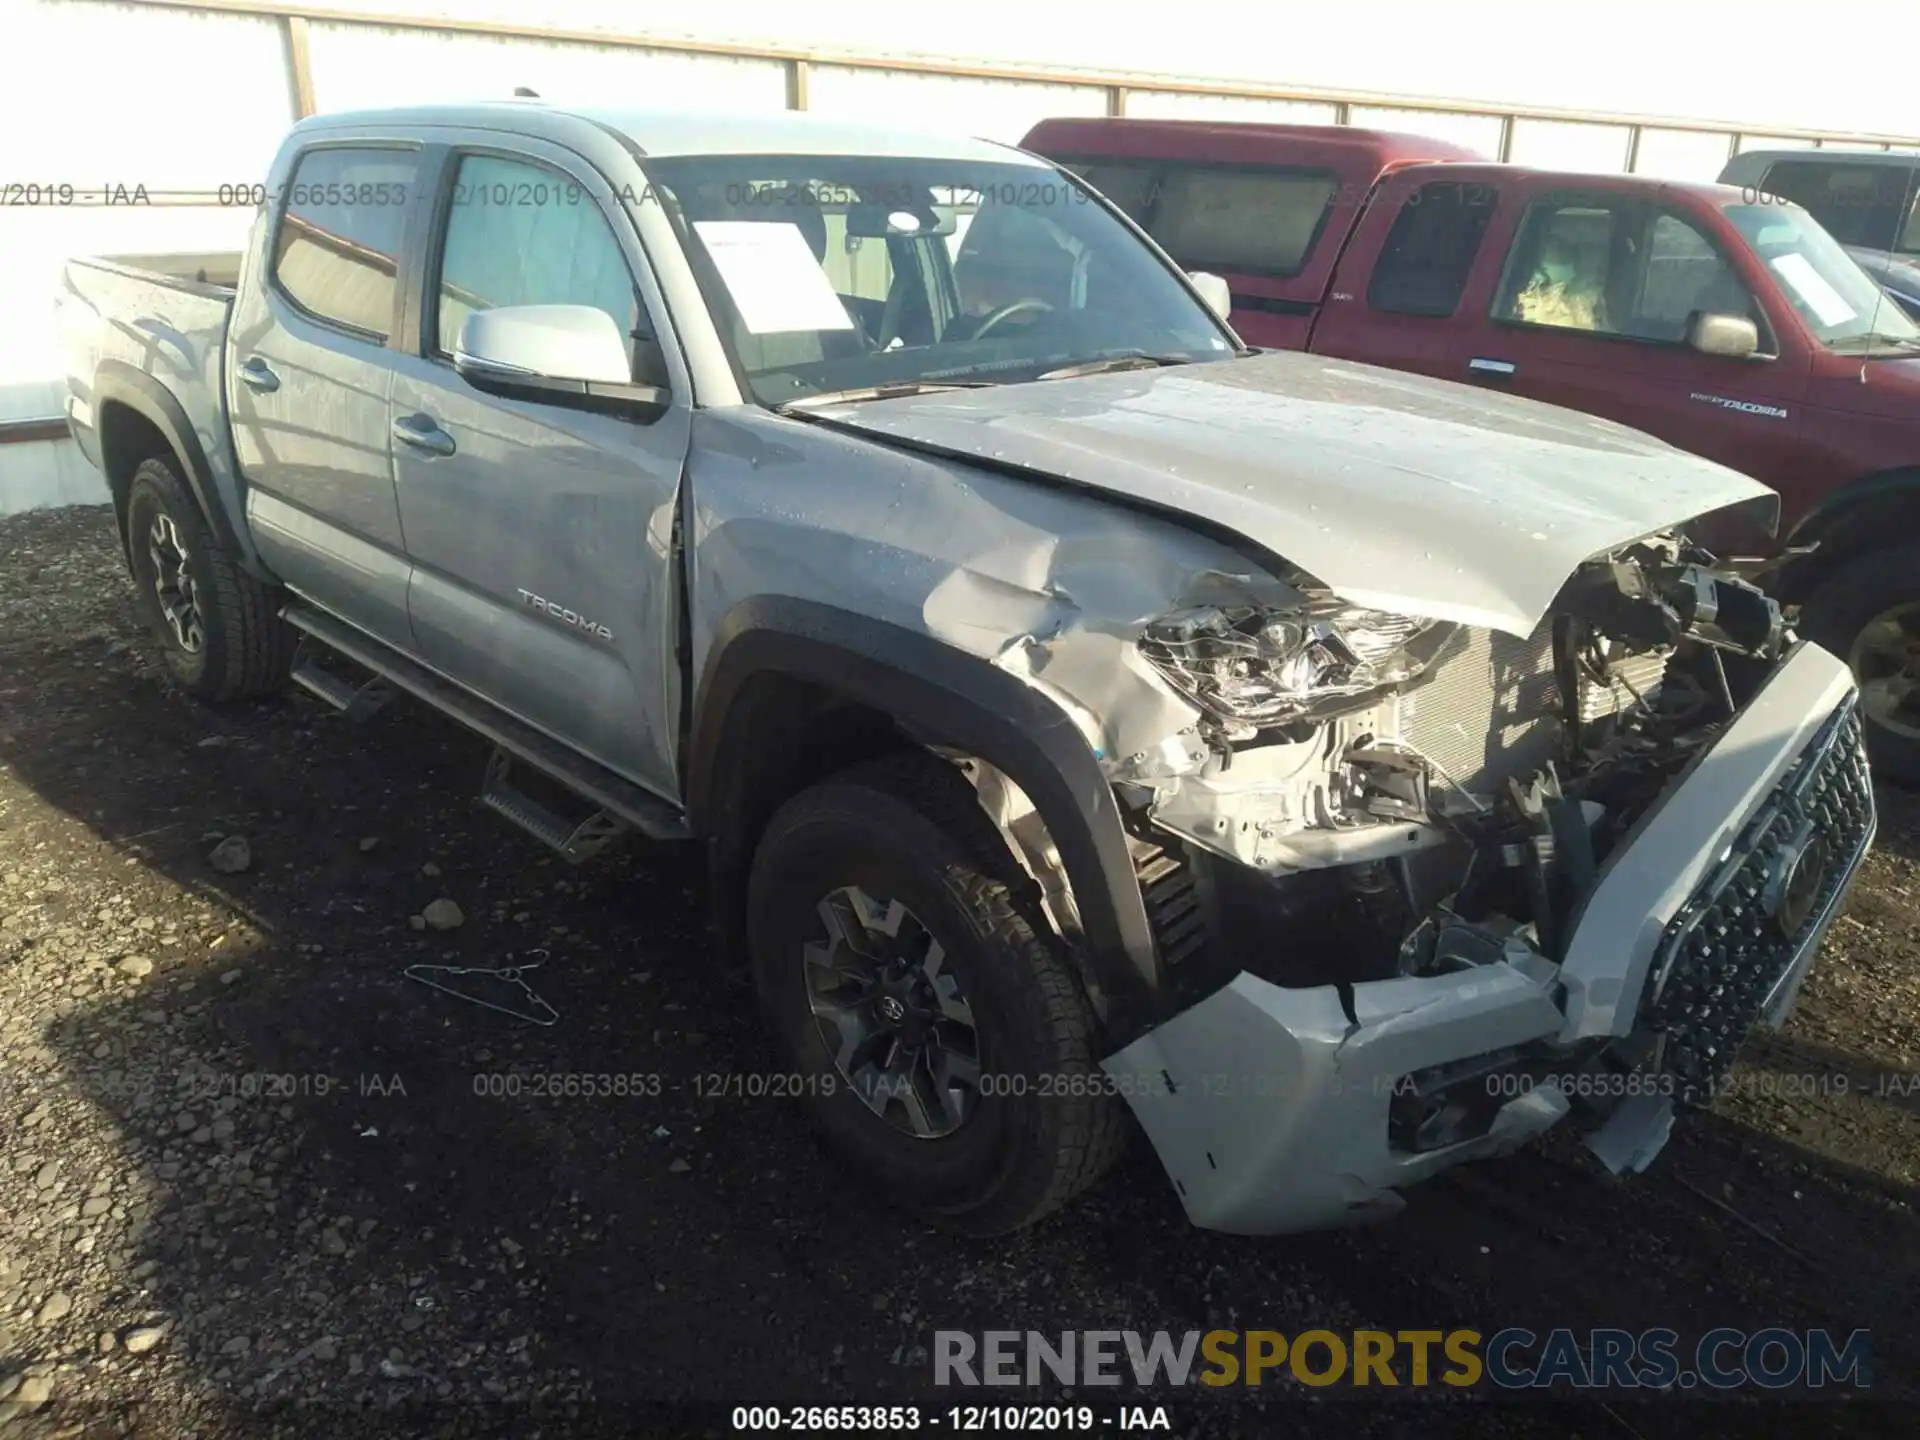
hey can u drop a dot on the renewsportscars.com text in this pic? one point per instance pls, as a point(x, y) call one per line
point(1514, 1358)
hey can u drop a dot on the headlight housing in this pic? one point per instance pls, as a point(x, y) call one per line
point(1247, 666)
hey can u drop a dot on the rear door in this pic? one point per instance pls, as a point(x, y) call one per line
point(1396, 295)
point(1583, 300)
point(309, 362)
point(541, 535)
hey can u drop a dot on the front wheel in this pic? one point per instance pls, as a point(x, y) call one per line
point(219, 631)
point(1868, 613)
point(943, 1044)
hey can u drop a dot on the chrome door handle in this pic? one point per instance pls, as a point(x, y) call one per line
point(256, 374)
point(423, 433)
point(1493, 369)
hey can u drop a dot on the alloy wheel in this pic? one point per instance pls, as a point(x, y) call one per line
point(173, 584)
point(893, 1016)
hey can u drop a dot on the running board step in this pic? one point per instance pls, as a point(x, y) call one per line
point(574, 842)
point(618, 797)
point(354, 702)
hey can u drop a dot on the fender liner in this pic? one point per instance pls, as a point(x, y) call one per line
point(1849, 521)
point(944, 696)
point(118, 383)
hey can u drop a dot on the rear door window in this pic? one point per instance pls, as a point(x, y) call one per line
point(1429, 253)
point(337, 249)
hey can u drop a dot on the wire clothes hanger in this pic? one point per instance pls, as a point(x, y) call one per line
point(519, 999)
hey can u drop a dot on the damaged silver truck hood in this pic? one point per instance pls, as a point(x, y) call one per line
point(1394, 491)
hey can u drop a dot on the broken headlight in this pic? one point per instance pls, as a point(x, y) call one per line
point(1244, 666)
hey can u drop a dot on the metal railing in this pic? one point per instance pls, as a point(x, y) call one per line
point(799, 60)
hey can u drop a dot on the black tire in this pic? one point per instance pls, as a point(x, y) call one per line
point(1860, 591)
point(1041, 1130)
point(244, 649)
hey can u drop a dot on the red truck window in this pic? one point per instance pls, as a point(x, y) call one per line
point(1248, 222)
point(1128, 186)
point(1430, 250)
point(1233, 219)
point(1618, 267)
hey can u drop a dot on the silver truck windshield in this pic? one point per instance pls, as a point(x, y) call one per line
point(834, 273)
point(1840, 303)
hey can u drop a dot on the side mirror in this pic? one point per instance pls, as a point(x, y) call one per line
point(1213, 290)
point(1734, 336)
point(560, 354)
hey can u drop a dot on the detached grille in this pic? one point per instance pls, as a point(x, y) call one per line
point(1752, 918)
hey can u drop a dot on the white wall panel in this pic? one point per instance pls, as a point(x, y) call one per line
point(993, 109)
point(1772, 142)
point(1476, 132)
point(356, 66)
point(117, 94)
point(38, 242)
point(1555, 145)
point(47, 472)
point(1186, 105)
point(1682, 154)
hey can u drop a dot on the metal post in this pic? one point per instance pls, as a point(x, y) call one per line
point(299, 65)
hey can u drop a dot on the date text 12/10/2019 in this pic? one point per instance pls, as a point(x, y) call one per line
point(959, 1419)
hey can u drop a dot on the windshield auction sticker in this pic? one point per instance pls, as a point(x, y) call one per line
point(772, 275)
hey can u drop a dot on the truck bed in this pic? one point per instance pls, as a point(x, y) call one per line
point(164, 317)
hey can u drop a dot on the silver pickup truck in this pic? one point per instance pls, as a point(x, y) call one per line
point(1347, 773)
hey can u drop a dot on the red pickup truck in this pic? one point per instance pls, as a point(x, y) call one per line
point(1725, 321)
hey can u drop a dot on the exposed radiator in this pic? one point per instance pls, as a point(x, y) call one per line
point(1490, 706)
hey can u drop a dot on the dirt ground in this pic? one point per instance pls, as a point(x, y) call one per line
point(365, 1241)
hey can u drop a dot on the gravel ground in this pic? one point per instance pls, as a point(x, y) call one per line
point(250, 1184)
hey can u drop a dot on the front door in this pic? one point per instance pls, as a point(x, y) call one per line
point(1588, 307)
point(541, 536)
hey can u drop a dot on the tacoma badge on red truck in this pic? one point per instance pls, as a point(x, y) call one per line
point(1725, 321)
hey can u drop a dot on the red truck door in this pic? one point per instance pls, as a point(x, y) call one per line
point(1395, 297)
point(1582, 299)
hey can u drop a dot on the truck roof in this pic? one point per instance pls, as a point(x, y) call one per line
point(1717, 192)
point(1753, 159)
point(662, 133)
point(1344, 147)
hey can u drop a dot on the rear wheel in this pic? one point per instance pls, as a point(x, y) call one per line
point(1868, 613)
point(219, 631)
point(941, 1042)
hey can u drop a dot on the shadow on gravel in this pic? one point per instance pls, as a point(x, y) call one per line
point(370, 1193)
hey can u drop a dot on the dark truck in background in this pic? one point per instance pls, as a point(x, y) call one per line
point(1722, 320)
point(1865, 198)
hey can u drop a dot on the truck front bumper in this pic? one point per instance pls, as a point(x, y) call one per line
point(1270, 1106)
